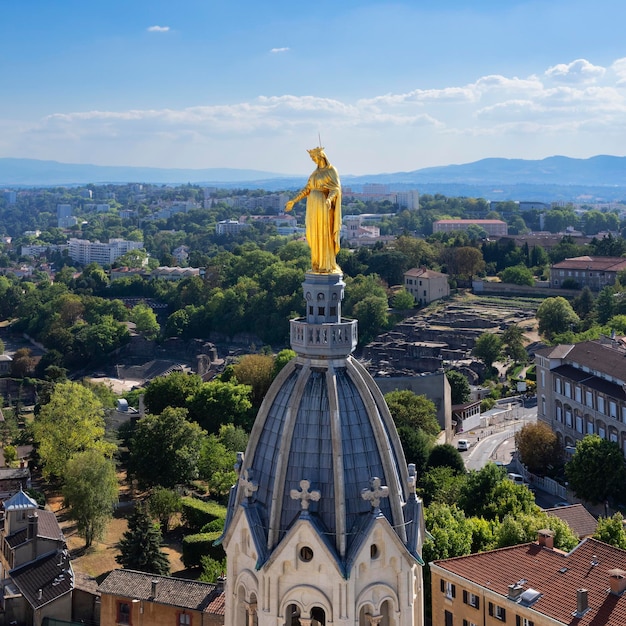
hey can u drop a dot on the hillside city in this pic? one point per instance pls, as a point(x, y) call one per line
point(150, 334)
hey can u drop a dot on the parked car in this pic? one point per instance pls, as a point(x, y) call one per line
point(462, 444)
point(518, 479)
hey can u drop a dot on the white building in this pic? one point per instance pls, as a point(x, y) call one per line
point(408, 199)
point(84, 251)
point(426, 285)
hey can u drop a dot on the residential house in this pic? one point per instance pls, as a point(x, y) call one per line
point(135, 598)
point(581, 390)
point(532, 584)
point(577, 517)
point(426, 285)
point(587, 271)
point(35, 570)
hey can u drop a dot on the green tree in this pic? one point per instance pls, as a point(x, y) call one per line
point(445, 455)
point(409, 409)
point(163, 504)
point(212, 569)
point(460, 390)
point(605, 305)
point(416, 445)
point(71, 422)
point(165, 449)
point(584, 304)
point(172, 390)
point(450, 531)
point(489, 494)
point(140, 546)
point(216, 465)
point(282, 358)
point(513, 339)
point(488, 348)
point(517, 275)
point(216, 403)
point(90, 490)
point(145, 321)
point(371, 313)
point(597, 471)
point(441, 484)
point(538, 448)
point(257, 371)
point(466, 262)
point(611, 530)
point(403, 300)
point(555, 315)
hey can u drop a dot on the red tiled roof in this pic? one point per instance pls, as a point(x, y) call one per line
point(557, 577)
point(421, 271)
point(577, 518)
point(594, 263)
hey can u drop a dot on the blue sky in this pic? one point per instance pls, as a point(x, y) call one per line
point(390, 86)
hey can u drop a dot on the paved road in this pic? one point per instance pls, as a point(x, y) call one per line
point(497, 443)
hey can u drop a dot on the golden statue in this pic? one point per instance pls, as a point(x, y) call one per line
point(323, 213)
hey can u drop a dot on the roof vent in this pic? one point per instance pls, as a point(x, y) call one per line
point(155, 584)
point(582, 602)
point(594, 561)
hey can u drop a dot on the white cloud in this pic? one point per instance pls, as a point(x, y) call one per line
point(279, 50)
point(158, 29)
point(478, 118)
point(578, 71)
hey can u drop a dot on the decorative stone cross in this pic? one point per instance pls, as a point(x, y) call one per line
point(239, 463)
point(304, 495)
point(247, 483)
point(375, 492)
point(412, 478)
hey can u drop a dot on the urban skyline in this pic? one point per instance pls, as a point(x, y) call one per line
point(388, 86)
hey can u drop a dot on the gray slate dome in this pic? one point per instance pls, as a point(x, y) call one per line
point(325, 421)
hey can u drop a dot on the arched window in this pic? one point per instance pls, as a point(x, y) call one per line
point(318, 616)
point(292, 616)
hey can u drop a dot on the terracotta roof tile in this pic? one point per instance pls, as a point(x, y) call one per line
point(557, 576)
point(188, 594)
point(577, 518)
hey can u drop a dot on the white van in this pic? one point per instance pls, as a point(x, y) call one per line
point(463, 444)
point(518, 479)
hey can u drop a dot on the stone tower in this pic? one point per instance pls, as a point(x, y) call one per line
point(323, 526)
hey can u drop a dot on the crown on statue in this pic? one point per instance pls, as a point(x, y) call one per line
point(316, 151)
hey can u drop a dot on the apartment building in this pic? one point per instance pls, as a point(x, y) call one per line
point(587, 271)
point(426, 285)
point(532, 584)
point(581, 390)
point(493, 228)
point(84, 251)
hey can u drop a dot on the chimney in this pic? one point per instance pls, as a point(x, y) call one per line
point(617, 578)
point(582, 602)
point(155, 584)
point(515, 591)
point(221, 583)
point(33, 526)
point(545, 537)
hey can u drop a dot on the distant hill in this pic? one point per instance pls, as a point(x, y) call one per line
point(599, 178)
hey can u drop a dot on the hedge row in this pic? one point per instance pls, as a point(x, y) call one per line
point(197, 513)
point(197, 546)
